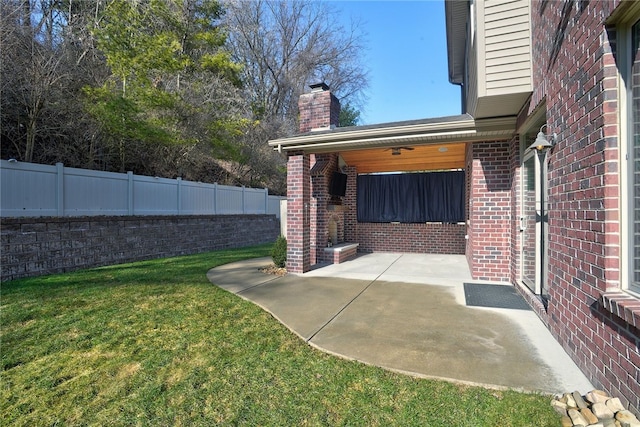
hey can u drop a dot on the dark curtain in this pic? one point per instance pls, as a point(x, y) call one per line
point(411, 197)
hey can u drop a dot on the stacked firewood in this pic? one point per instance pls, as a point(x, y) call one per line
point(594, 409)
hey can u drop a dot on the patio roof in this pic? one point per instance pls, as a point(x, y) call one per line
point(367, 146)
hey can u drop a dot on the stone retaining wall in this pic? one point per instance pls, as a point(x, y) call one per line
point(38, 246)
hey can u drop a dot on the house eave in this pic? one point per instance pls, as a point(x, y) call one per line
point(431, 131)
point(456, 17)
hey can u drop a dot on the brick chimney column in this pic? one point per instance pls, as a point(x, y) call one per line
point(319, 109)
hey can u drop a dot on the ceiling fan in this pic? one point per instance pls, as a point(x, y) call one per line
point(396, 151)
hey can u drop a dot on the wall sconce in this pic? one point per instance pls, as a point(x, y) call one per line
point(542, 144)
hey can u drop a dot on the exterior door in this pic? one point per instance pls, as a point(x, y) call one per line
point(529, 225)
point(534, 223)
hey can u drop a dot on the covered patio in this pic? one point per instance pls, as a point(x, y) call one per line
point(320, 216)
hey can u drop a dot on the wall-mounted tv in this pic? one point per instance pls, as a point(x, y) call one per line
point(338, 185)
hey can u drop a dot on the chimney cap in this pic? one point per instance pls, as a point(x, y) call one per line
point(319, 87)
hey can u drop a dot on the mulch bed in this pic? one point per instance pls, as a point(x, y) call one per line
point(272, 269)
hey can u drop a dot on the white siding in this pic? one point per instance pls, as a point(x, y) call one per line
point(507, 45)
point(500, 61)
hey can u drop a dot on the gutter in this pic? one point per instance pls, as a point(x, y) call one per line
point(354, 138)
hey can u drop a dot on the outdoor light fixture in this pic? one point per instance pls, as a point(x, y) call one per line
point(542, 144)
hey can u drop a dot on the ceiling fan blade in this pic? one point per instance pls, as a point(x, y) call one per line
point(399, 148)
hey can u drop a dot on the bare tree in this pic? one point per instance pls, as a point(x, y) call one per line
point(31, 72)
point(43, 66)
point(286, 45)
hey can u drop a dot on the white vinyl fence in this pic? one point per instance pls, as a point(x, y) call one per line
point(29, 189)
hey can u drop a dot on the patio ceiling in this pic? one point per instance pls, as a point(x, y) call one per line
point(421, 158)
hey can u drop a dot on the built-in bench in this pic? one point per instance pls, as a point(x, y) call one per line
point(341, 252)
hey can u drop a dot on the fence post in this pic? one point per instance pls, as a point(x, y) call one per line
point(179, 179)
point(244, 209)
point(215, 198)
point(60, 188)
point(266, 201)
point(130, 193)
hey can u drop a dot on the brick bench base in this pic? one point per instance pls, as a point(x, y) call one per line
point(341, 253)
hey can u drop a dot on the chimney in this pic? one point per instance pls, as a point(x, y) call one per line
point(319, 109)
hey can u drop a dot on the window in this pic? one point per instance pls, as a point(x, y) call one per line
point(633, 151)
point(630, 150)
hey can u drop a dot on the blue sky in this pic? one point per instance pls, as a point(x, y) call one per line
point(407, 59)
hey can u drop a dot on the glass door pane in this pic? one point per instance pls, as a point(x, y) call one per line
point(530, 238)
point(634, 160)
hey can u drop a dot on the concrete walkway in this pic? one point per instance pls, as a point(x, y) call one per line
point(407, 312)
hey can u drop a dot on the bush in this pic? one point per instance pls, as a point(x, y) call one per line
point(279, 252)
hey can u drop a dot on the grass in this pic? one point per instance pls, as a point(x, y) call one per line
point(154, 343)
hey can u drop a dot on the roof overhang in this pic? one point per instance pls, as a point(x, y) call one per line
point(456, 17)
point(452, 129)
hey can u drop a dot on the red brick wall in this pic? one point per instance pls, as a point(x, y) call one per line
point(320, 205)
point(430, 238)
point(318, 109)
point(575, 72)
point(298, 215)
point(490, 210)
point(350, 205)
point(516, 195)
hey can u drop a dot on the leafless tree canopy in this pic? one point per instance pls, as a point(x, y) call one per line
point(286, 45)
point(224, 80)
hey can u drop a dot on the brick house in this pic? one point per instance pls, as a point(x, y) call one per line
point(563, 225)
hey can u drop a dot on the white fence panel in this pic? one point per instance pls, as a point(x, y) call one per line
point(28, 189)
point(229, 200)
point(88, 192)
point(273, 205)
point(255, 200)
point(196, 197)
point(154, 196)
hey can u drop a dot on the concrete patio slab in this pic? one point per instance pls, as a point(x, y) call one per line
point(368, 267)
point(423, 329)
point(305, 306)
point(238, 276)
point(419, 324)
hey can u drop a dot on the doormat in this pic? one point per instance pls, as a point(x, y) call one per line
point(495, 296)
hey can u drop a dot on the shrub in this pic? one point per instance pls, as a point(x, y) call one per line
point(279, 252)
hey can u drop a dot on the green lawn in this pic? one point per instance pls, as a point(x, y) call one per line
point(154, 343)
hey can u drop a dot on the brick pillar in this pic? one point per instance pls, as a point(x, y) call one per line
point(489, 231)
point(351, 209)
point(319, 109)
point(298, 201)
